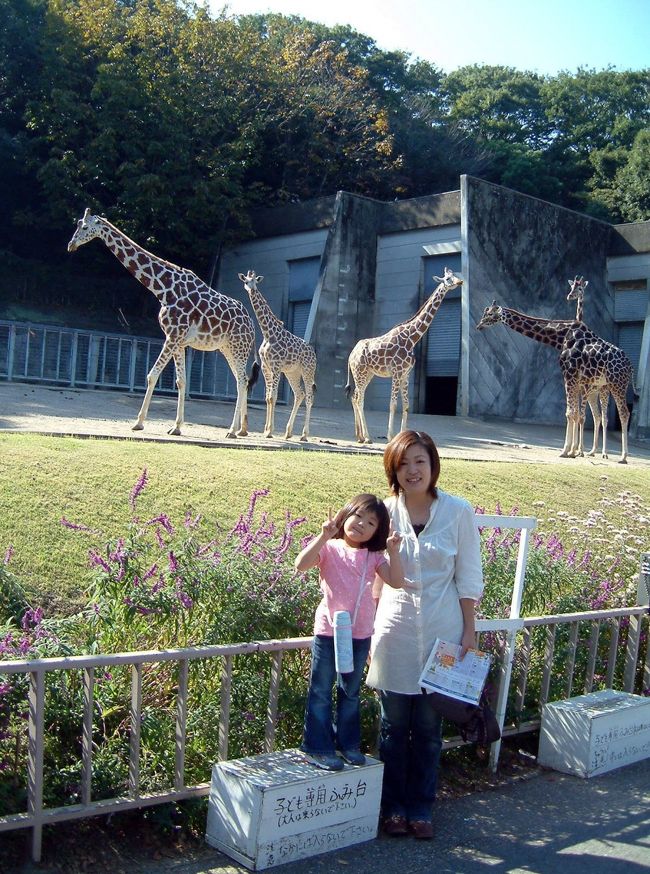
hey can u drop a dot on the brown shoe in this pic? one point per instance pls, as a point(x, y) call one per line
point(394, 825)
point(421, 829)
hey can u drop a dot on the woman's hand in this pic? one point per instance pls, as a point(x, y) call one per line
point(467, 642)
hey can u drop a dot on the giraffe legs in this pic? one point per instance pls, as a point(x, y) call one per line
point(294, 380)
point(272, 381)
point(624, 416)
point(179, 361)
point(399, 386)
point(360, 427)
point(310, 387)
point(404, 388)
point(238, 367)
point(600, 419)
point(572, 436)
point(152, 378)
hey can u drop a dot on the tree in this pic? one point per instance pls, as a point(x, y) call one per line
point(632, 181)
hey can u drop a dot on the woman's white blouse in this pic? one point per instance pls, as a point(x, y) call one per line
point(441, 566)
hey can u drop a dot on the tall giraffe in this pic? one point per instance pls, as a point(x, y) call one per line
point(588, 363)
point(191, 314)
point(599, 397)
point(282, 352)
point(392, 355)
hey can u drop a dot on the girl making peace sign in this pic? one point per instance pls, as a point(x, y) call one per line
point(349, 551)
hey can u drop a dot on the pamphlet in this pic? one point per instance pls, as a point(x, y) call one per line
point(446, 673)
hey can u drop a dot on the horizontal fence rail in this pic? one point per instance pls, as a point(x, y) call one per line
point(38, 815)
point(78, 358)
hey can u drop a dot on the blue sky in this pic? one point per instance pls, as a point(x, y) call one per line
point(544, 36)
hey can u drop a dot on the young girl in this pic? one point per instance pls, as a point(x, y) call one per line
point(349, 551)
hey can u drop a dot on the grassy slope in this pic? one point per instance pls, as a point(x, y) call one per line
point(89, 481)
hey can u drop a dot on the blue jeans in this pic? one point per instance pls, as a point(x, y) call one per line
point(321, 735)
point(409, 746)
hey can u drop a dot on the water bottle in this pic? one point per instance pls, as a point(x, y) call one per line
point(343, 658)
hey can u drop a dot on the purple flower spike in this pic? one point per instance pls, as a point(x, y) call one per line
point(138, 488)
point(8, 554)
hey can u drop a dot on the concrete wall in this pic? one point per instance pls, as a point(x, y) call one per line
point(630, 260)
point(521, 251)
point(345, 294)
point(400, 293)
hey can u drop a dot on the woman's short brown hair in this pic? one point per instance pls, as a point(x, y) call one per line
point(372, 504)
point(394, 455)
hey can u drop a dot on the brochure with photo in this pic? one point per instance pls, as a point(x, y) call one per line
point(447, 674)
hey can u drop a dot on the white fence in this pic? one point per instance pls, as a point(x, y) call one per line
point(91, 359)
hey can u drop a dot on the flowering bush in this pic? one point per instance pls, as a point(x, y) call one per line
point(166, 584)
point(163, 584)
point(577, 576)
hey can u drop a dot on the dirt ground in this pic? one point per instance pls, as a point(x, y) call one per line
point(82, 412)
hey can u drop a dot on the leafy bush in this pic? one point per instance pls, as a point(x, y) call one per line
point(165, 584)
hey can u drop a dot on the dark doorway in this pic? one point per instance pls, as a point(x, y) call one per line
point(441, 395)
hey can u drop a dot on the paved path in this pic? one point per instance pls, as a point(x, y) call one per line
point(50, 410)
point(548, 824)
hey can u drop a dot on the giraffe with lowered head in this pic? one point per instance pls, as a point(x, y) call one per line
point(191, 314)
point(588, 363)
point(282, 352)
point(391, 355)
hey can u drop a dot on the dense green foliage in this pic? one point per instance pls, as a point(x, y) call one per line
point(174, 123)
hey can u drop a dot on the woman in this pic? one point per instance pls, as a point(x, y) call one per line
point(440, 552)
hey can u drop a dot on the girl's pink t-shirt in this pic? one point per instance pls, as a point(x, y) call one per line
point(341, 567)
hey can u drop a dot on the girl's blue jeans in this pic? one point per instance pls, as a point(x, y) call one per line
point(409, 746)
point(322, 735)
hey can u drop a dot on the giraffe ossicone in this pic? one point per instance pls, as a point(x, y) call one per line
point(391, 355)
point(191, 314)
point(282, 352)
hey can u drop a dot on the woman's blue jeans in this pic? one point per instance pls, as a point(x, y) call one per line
point(409, 746)
point(323, 736)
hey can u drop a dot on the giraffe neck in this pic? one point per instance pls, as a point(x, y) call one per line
point(415, 328)
point(157, 275)
point(579, 309)
point(268, 321)
point(551, 332)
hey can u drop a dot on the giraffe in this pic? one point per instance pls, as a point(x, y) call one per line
point(588, 363)
point(282, 352)
point(191, 314)
point(392, 355)
point(598, 397)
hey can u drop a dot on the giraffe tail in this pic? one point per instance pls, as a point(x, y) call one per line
point(348, 385)
point(255, 374)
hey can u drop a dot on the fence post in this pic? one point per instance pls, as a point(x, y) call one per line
point(35, 759)
point(634, 629)
point(11, 345)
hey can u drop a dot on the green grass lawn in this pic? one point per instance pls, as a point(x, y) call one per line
point(89, 481)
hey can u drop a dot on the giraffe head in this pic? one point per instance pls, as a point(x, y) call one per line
point(250, 280)
point(492, 315)
point(577, 288)
point(88, 228)
point(449, 280)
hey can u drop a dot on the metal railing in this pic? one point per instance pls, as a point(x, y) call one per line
point(92, 359)
point(515, 648)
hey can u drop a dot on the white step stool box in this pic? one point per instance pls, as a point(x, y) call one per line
point(592, 734)
point(274, 808)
